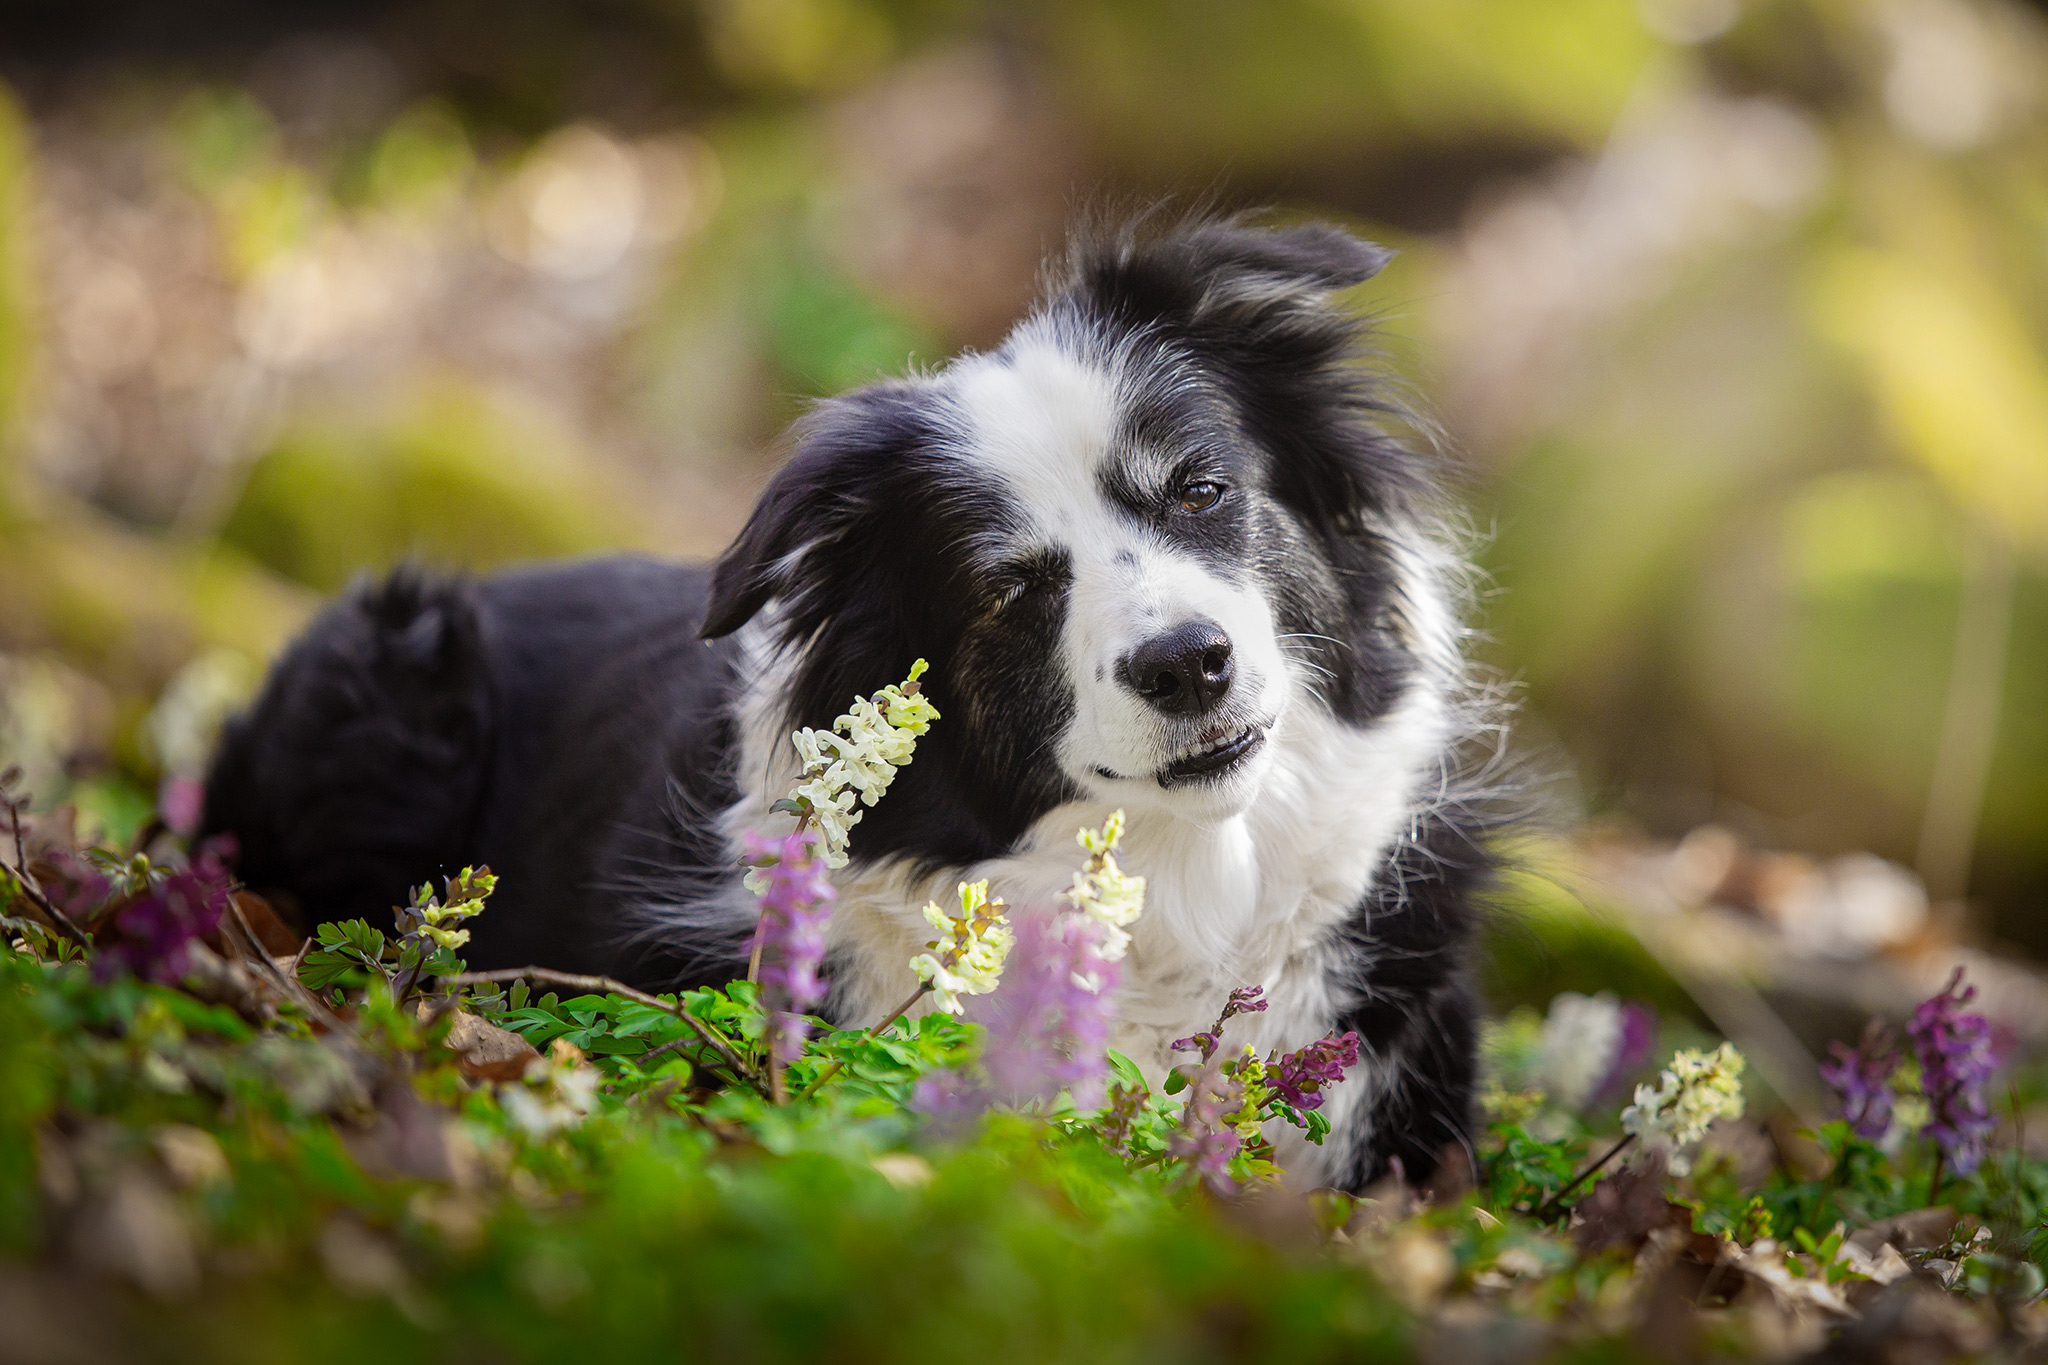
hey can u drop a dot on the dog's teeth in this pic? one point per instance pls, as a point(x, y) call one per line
point(1212, 742)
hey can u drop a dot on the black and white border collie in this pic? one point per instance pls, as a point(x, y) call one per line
point(1162, 553)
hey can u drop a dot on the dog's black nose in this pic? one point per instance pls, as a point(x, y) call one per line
point(1184, 672)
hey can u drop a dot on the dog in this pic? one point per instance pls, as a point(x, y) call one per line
point(1164, 553)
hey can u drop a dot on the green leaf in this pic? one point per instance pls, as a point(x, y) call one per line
point(215, 1019)
point(1127, 1071)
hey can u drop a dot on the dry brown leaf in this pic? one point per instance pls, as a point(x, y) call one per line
point(485, 1052)
point(1912, 1231)
point(1626, 1207)
point(276, 937)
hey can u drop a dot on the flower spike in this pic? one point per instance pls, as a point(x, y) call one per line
point(967, 956)
point(1105, 892)
point(1697, 1088)
point(853, 763)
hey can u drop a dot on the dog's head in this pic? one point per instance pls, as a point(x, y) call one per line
point(1130, 541)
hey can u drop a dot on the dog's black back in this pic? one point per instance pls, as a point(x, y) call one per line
point(545, 721)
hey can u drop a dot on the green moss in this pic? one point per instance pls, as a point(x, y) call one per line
point(1544, 937)
point(452, 480)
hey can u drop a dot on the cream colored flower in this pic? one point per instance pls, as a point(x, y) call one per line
point(967, 956)
point(1697, 1088)
point(1105, 892)
point(855, 761)
point(465, 896)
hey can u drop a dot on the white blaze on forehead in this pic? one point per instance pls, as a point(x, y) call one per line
point(1042, 417)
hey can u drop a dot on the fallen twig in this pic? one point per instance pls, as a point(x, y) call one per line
point(290, 986)
point(25, 879)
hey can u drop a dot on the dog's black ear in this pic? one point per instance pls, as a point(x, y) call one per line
point(1255, 304)
point(846, 450)
point(1316, 256)
point(1221, 273)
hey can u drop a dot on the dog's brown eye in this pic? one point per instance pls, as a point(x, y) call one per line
point(1201, 496)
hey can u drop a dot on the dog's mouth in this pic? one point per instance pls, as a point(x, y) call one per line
point(1219, 751)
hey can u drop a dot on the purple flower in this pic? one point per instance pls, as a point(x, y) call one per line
point(1956, 1059)
point(1119, 1115)
point(1633, 1044)
point(947, 1094)
point(1301, 1075)
point(1863, 1077)
point(154, 933)
point(1243, 1000)
point(1048, 1026)
point(796, 904)
point(1206, 1140)
point(73, 885)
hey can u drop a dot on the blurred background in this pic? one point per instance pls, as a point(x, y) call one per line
point(1733, 313)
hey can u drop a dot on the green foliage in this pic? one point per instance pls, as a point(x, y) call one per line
point(654, 1220)
point(1555, 941)
point(421, 1162)
point(1524, 1172)
point(829, 335)
point(621, 1197)
point(353, 954)
point(450, 475)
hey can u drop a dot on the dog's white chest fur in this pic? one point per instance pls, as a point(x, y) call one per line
point(1250, 900)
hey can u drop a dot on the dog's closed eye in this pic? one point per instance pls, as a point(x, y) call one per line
point(1030, 577)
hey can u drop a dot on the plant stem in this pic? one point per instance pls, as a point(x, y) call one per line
point(1827, 1193)
point(1934, 1182)
point(672, 1045)
point(609, 986)
point(1550, 1204)
point(288, 987)
point(25, 879)
point(829, 1072)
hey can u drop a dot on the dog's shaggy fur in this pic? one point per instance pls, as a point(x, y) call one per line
point(1162, 555)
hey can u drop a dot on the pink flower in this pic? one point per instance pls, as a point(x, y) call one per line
point(181, 803)
point(1047, 1028)
point(796, 904)
point(1206, 1140)
point(1049, 1024)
